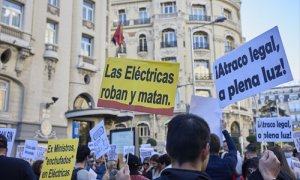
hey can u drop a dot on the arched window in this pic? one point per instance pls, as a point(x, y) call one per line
point(142, 43)
point(229, 43)
point(143, 130)
point(4, 88)
point(168, 38)
point(200, 40)
point(83, 102)
point(235, 129)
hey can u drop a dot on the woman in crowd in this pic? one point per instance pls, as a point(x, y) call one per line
point(37, 168)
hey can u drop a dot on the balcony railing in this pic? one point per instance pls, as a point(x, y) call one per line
point(199, 18)
point(124, 23)
point(201, 46)
point(168, 44)
point(203, 76)
point(15, 32)
point(142, 49)
point(169, 15)
point(142, 21)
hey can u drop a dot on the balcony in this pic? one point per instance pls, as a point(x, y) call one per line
point(200, 46)
point(142, 50)
point(199, 18)
point(168, 44)
point(142, 21)
point(169, 15)
point(203, 76)
point(15, 36)
point(51, 52)
point(124, 23)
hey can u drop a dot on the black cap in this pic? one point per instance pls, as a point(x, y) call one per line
point(251, 147)
point(3, 141)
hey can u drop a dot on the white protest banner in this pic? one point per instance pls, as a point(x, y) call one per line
point(145, 145)
point(258, 65)
point(112, 153)
point(208, 109)
point(40, 153)
point(10, 135)
point(30, 148)
point(100, 140)
point(146, 152)
point(275, 129)
point(296, 138)
point(127, 150)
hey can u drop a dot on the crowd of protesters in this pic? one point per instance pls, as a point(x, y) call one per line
point(193, 152)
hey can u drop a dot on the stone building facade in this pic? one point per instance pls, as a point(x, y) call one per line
point(180, 31)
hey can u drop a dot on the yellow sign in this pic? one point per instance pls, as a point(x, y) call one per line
point(139, 85)
point(60, 159)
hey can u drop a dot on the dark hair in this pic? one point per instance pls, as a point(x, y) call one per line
point(283, 162)
point(248, 165)
point(187, 135)
point(133, 162)
point(251, 147)
point(3, 141)
point(36, 167)
point(165, 159)
point(155, 158)
point(214, 144)
point(83, 151)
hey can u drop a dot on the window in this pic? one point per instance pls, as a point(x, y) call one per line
point(169, 38)
point(227, 14)
point(87, 46)
point(294, 106)
point(53, 2)
point(11, 13)
point(143, 130)
point(143, 13)
point(201, 70)
point(82, 102)
point(51, 33)
point(169, 59)
point(200, 40)
point(203, 92)
point(88, 11)
point(3, 95)
point(122, 17)
point(229, 44)
point(199, 13)
point(142, 43)
point(168, 7)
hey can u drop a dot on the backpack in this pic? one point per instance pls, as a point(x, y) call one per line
point(74, 173)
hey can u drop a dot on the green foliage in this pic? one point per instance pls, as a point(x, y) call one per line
point(140, 140)
point(152, 142)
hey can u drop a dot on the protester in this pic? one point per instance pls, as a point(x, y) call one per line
point(251, 151)
point(13, 168)
point(134, 163)
point(79, 172)
point(111, 170)
point(37, 168)
point(249, 166)
point(154, 170)
point(164, 162)
point(217, 167)
point(285, 171)
point(146, 167)
point(99, 167)
point(188, 140)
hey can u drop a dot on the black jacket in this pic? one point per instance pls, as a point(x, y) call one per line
point(172, 173)
point(15, 169)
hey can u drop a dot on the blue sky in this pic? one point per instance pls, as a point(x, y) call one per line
point(258, 16)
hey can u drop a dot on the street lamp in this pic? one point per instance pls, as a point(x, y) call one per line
point(217, 20)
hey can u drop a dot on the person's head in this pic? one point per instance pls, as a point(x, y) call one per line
point(146, 163)
point(251, 151)
point(37, 167)
point(164, 161)
point(214, 144)
point(188, 141)
point(100, 160)
point(225, 147)
point(288, 150)
point(249, 166)
point(111, 165)
point(154, 160)
point(3, 145)
point(82, 153)
point(283, 162)
point(90, 160)
point(296, 154)
point(133, 163)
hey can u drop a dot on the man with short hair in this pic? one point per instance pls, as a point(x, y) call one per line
point(79, 172)
point(251, 151)
point(13, 168)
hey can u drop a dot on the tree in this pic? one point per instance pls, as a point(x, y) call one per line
point(152, 142)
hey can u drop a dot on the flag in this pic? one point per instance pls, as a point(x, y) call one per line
point(118, 36)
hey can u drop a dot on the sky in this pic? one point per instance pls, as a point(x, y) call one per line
point(258, 16)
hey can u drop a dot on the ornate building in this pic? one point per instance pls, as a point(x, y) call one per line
point(184, 32)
